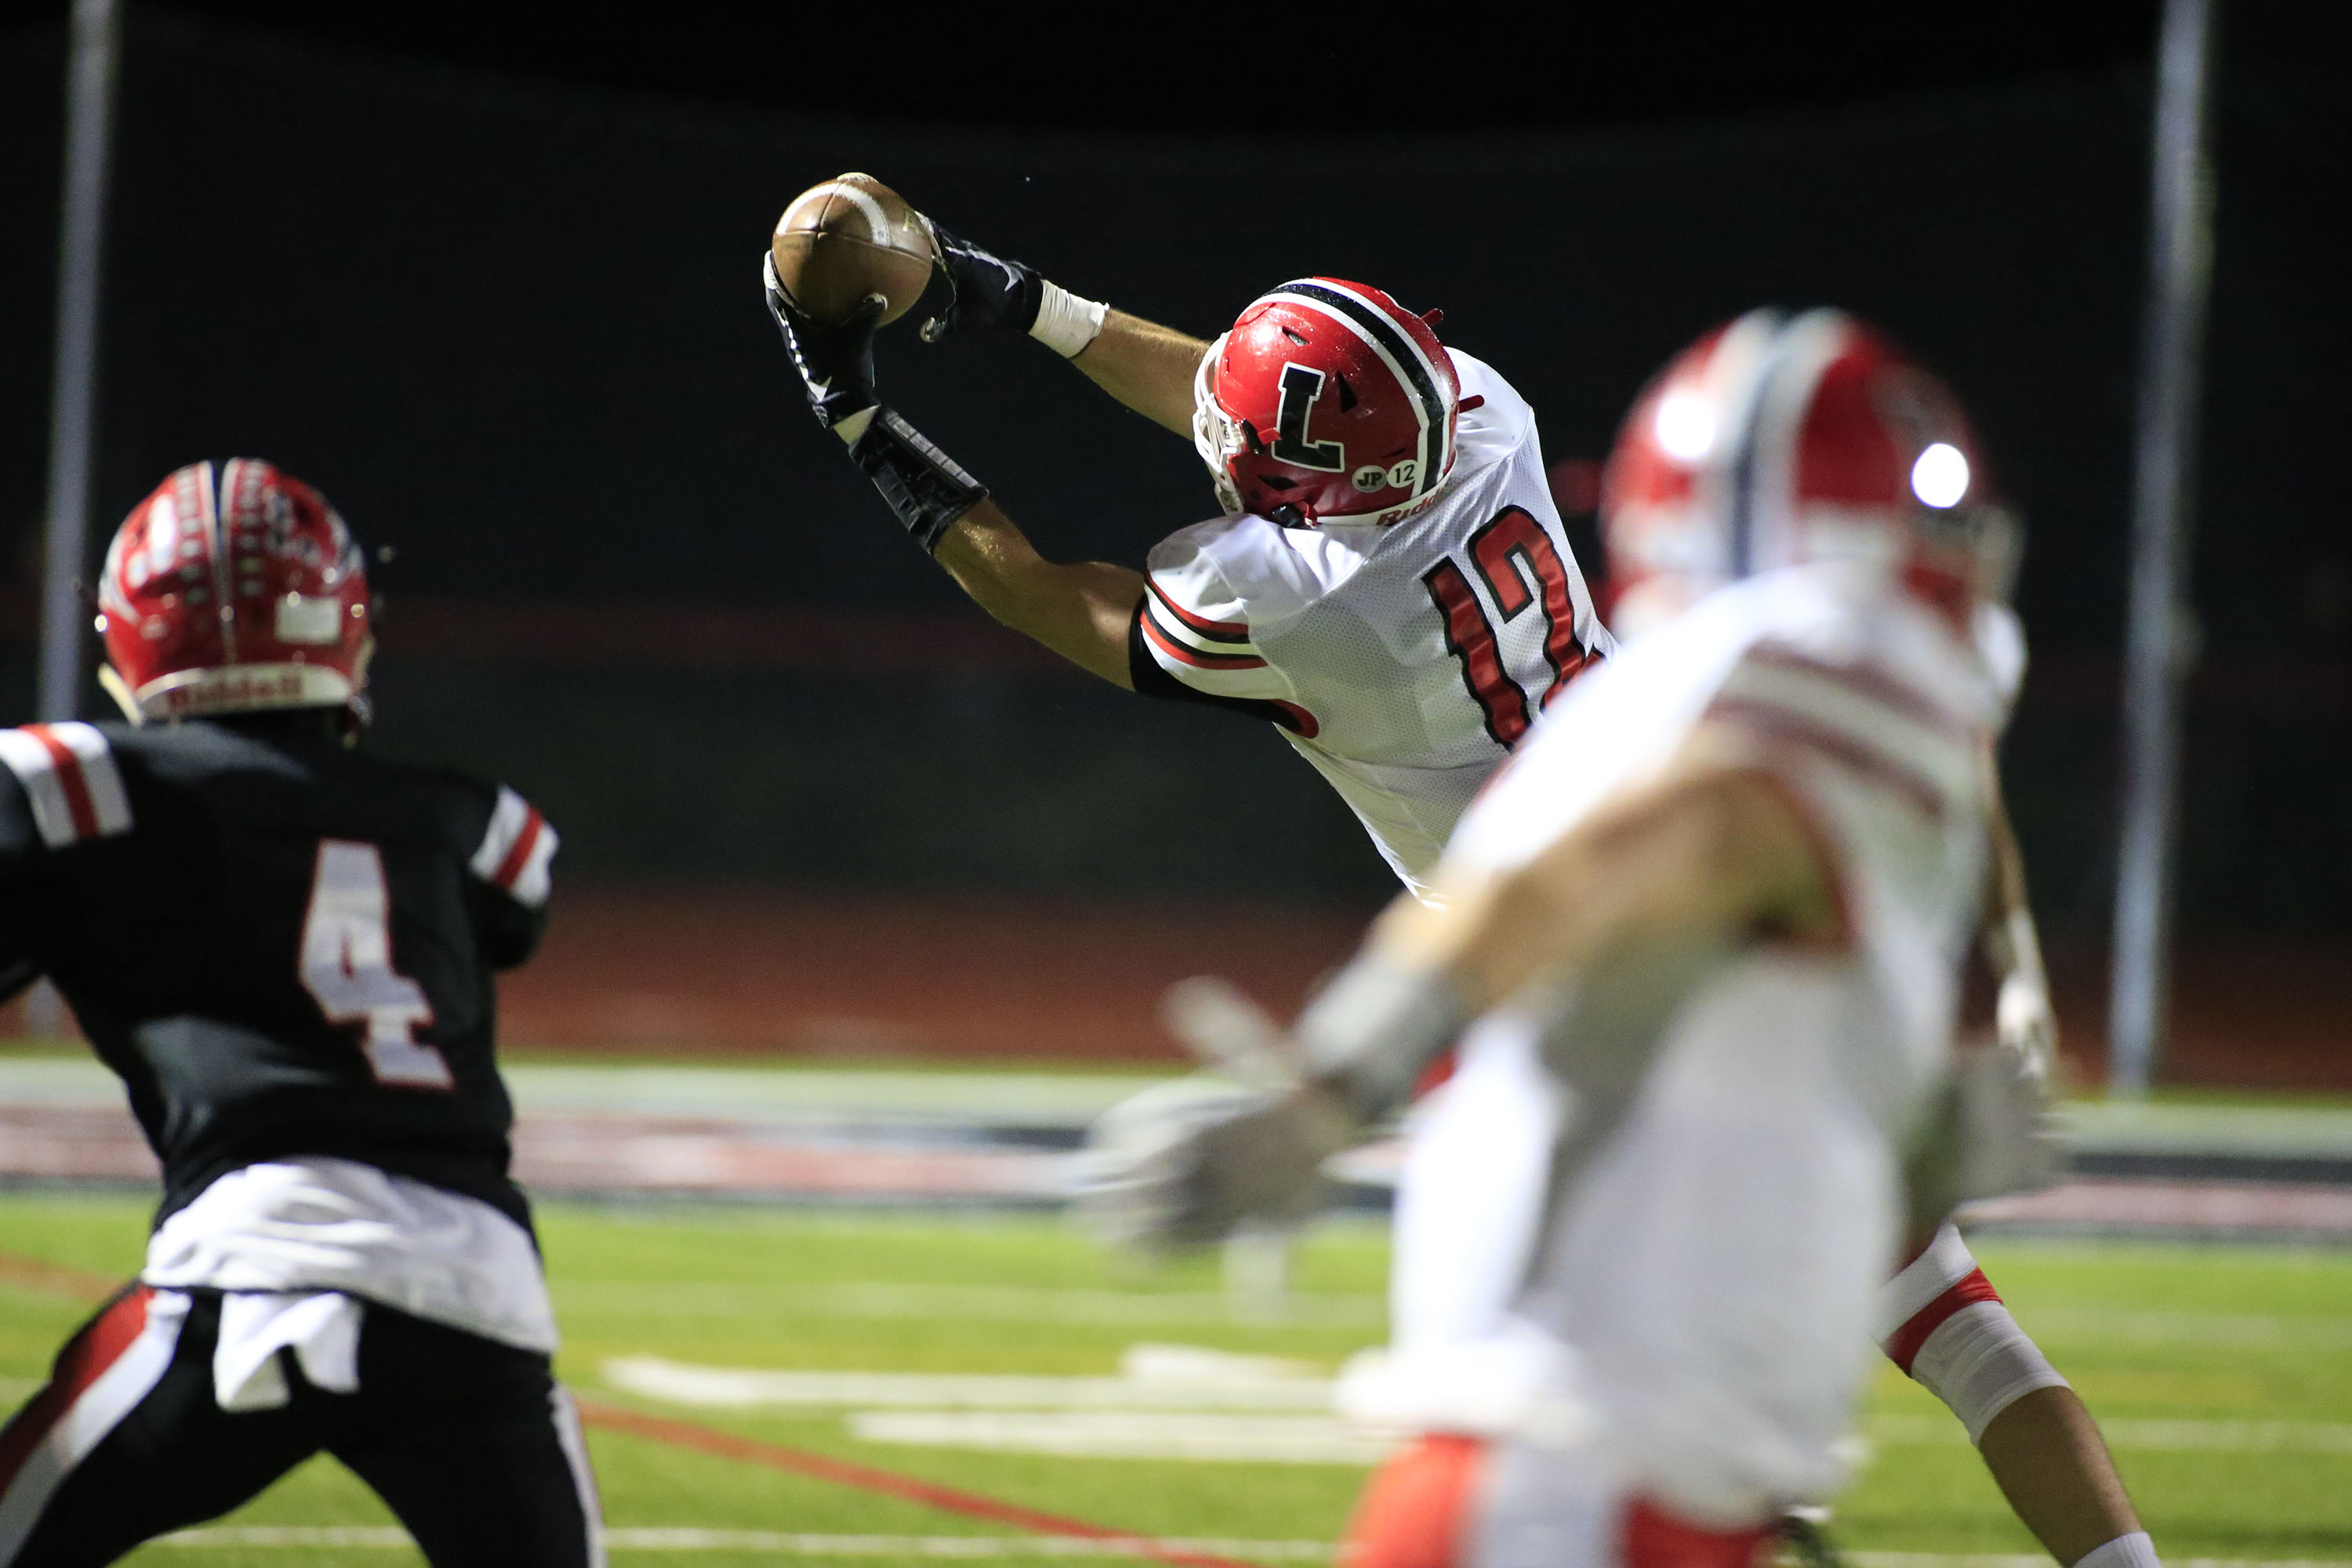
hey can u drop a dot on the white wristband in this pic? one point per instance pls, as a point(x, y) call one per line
point(2133, 1550)
point(1066, 323)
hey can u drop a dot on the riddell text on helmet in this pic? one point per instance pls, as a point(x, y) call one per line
point(232, 689)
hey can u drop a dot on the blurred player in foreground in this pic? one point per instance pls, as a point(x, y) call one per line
point(1388, 632)
point(1723, 896)
point(284, 947)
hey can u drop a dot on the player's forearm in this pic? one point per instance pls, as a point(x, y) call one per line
point(1147, 367)
point(1081, 610)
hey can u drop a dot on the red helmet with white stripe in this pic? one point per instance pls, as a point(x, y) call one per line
point(230, 590)
point(1775, 440)
point(1327, 400)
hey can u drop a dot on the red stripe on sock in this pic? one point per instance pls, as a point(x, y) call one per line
point(1440, 1068)
point(1415, 1511)
point(509, 869)
point(1903, 1344)
point(889, 1483)
point(79, 805)
point(82, 1362)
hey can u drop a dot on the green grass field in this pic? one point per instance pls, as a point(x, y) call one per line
point(2224, 1375)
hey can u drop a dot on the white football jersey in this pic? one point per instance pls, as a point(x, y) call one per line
point(1404, 660)
point(1873, 711)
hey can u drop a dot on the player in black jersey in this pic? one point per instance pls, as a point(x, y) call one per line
point(284, 947)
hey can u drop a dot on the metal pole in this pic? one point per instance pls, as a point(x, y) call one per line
point(91, 60)
point(2160, 636)
point(89, 113)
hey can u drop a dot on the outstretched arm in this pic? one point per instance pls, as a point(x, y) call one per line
point(1147, 367)
point(1082, 611)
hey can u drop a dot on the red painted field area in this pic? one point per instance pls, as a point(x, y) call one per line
point(848, 978)
point(988, 978)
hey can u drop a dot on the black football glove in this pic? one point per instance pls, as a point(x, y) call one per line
point(987, 292)
point(836, 363)
point(922, 485)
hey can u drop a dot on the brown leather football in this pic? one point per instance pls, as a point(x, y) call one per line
point(847, 238)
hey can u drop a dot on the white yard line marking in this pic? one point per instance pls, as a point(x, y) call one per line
point(717, 1387)
point(2219, 1331)
point(1131, 1435)
point(992, 1303)
point(1182, 1402)
point(785, 1543)
point(2181, 1436)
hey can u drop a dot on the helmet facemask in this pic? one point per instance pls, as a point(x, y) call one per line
point(1216, 434)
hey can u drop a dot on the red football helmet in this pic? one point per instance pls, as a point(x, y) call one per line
point(234, 590)
point(1775, 440)
point(1326, 400)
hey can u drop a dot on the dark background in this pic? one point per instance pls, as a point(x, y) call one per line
point(489, 283)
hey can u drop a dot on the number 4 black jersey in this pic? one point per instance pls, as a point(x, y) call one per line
point(284, 946)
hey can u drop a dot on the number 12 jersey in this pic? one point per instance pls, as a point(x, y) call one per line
point(1403, 659)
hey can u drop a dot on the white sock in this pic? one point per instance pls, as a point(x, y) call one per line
point(2133, 1550)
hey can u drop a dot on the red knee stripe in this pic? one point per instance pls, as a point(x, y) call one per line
point(81, 1364)
point(1903, 1344)
point(1440, 1068)
point(1656, 1539)
point(1416, 1510)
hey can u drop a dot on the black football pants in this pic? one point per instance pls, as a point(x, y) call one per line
point(470, 1442)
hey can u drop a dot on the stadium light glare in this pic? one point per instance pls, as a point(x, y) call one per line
point(1685, 425)
point(1940, 477)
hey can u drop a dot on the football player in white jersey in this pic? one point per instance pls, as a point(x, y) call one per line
point(1384, 621)
point(1723, 896)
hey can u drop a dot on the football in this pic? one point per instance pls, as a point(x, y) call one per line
point(847, 238)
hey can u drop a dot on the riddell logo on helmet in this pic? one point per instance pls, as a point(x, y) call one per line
point(237, 689)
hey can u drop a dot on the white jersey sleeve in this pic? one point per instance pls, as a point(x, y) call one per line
point(1195, 625)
